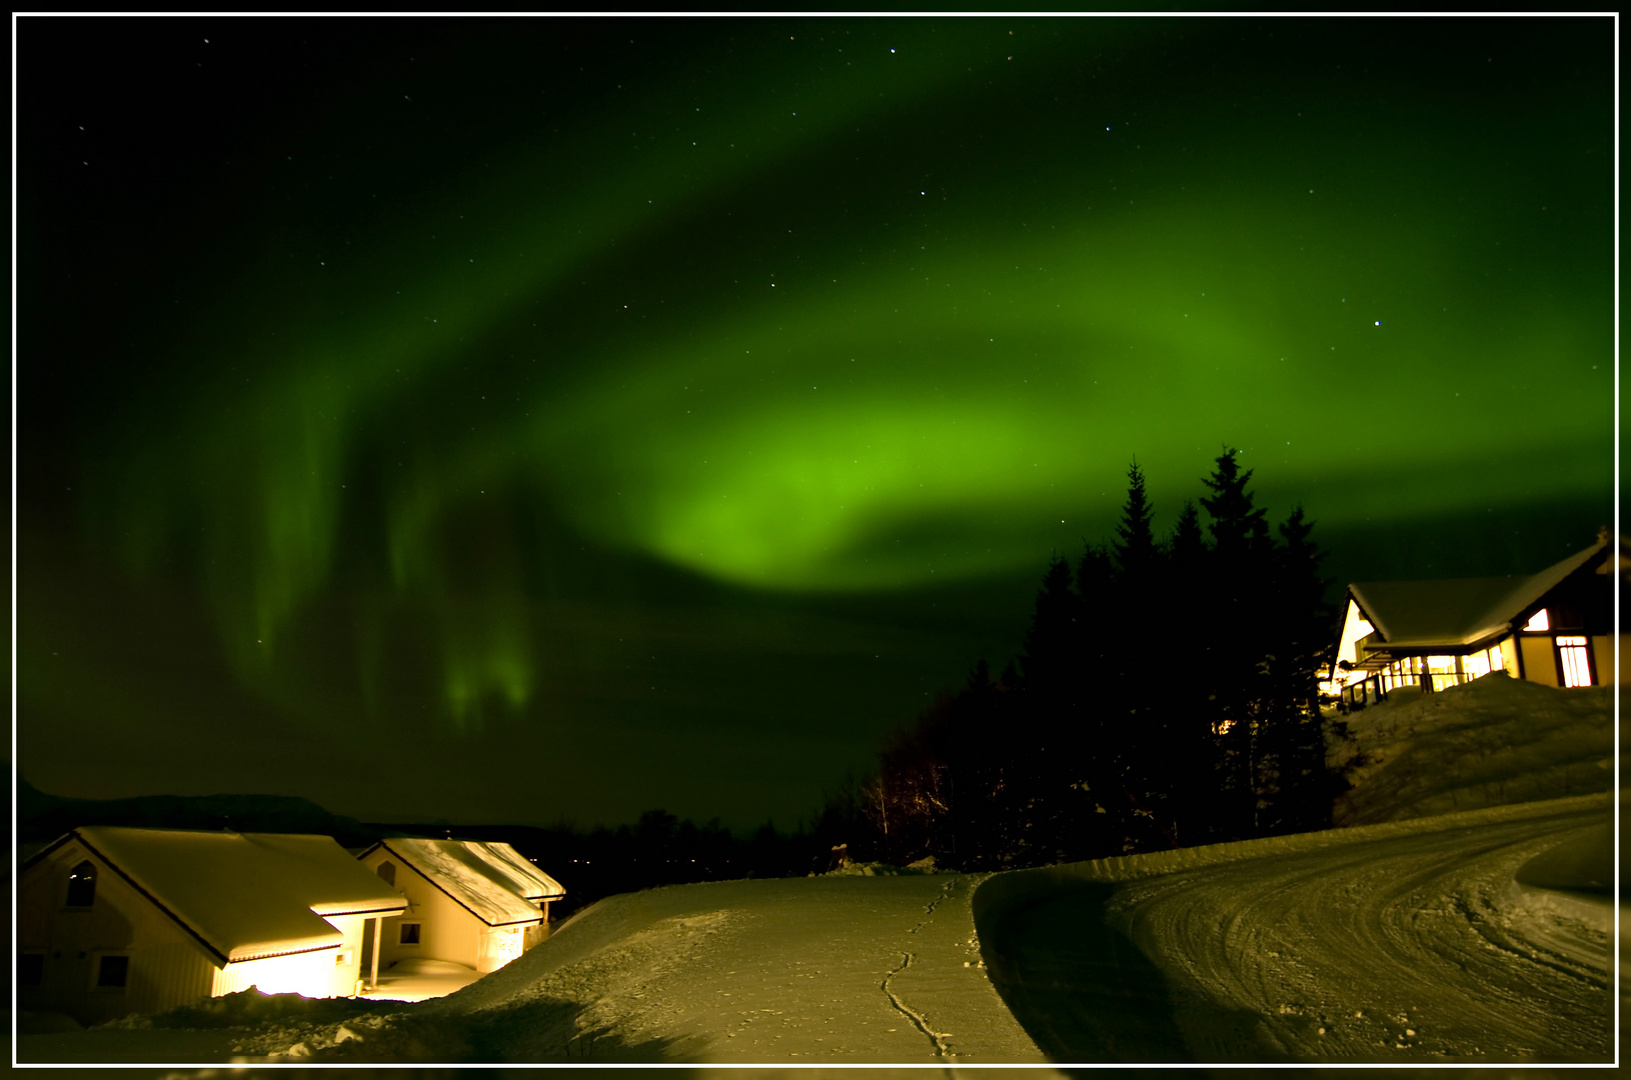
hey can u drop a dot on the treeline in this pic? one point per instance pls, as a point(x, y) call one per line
point(658, 849)
point(1167, 696)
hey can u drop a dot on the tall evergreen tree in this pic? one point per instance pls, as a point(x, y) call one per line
point(1135, 548)
point(1296, 784)
point(1236, 595)
point(1238, 528)
point(1136, 714)
point(1184, 598)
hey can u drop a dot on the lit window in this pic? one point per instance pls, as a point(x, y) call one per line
point(82, 885)
point(1576, 666)
point(410, 933)
point(113, 972)
point(1541, 622)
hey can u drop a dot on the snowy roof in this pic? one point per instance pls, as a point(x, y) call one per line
point(491, 880)
point(244, 895)
point(1457, 611)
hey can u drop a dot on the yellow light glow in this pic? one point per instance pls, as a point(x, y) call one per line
point(1576, 667)
point(1541, 622)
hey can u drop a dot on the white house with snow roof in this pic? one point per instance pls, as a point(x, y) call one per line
point(1555, 628)
point(470, 902)
point(114, 920)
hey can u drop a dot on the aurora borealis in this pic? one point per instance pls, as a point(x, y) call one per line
point(516, 420)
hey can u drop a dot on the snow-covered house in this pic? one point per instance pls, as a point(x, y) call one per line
point(114, 920)
point(471, 902)
point(1555, 628)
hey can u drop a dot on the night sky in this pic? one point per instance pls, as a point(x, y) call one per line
point(526, 420)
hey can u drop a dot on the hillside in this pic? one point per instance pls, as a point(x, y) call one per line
point(43, 817)
point(1491, 742)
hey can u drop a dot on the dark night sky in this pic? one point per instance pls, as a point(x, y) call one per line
point(517, 420)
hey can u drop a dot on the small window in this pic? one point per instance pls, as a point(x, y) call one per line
point(82, 885)
point(31, 969)
point(387, 872)
point(113, 972)
point(1541, 622)
point(410, 933)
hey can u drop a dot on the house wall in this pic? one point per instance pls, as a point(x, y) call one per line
point(500, 945)
point(1539, 659)
point(168, 966)
point(447, 930)
point(1602, 654)
point(350, 964)
point(1509, 655)
point(308, 973)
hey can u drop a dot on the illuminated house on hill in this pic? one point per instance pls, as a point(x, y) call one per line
point(1555, 628)
point(113, 921)
point(470, 902)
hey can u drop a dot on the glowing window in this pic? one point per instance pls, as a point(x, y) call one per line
point(1540, 622)
point(1576, 665)
point(82, 885)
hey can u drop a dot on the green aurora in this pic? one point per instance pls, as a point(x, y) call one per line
point(767, 345)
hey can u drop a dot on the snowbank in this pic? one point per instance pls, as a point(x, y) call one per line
point(1490, 742)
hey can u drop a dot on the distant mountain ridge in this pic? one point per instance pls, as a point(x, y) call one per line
point(42, 816)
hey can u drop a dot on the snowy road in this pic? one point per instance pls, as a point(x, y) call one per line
point(1403, 944)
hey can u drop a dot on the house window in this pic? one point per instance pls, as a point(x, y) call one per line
point(410, 933)
point(82, 885)
point(113, 972)
point(387, 872)
point(31, 969)
point(1540, 623)
point(1475, 665)
point(1573, 659)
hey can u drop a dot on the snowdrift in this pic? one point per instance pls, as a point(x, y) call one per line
point(1490, 742)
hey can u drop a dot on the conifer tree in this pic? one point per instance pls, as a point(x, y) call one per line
point(1298, 786)
point(1136, 713)
point(1235, 668)
point(1135, 549)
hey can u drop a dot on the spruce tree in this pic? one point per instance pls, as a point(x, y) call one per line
point(1136, 714)
point(1300, 787)
point(1135, 550)
point(1237, 605)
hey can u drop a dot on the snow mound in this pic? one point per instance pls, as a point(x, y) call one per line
point(249, 1008)
point(1491, 742)
point(924, 865)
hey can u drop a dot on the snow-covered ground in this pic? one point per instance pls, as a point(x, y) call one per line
point(1493, 741)
point(1480, 937)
